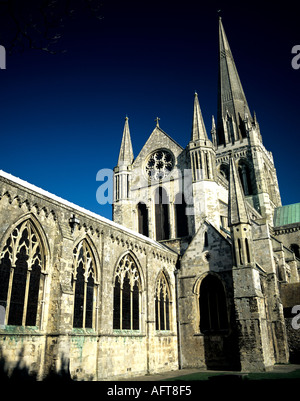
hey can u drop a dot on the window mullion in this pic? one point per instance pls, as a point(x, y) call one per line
point(96, 308)
point(121, 307)
point(11, 277)
point(158, 312)
point(84, 304)
point(74, 288)
point(41, 322)
point(131, 309)
point(165, 315)
point(26, 298)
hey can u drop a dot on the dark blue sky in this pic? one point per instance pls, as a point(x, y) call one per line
point(62, 115)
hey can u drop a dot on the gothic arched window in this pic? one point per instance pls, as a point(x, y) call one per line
point(181, 217)
point(245, 177)
point(127, 290)
point(162, 304)
point(230, 128)
point(143, 219)
point(84, 287)
point(162, 214)
point(22, 263)
point(213, 310)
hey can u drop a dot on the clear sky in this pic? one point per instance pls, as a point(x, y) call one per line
point(62, 115)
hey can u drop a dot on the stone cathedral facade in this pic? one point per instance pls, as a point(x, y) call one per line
point(199, 267)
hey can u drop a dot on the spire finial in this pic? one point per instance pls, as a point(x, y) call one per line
point(198, 127)
point(231, 95)
point(213, 123)
point(157, 121)
point(126, 152)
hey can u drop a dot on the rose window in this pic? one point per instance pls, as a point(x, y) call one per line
point(159, 164)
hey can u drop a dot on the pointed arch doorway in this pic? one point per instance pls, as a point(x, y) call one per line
point(219, 334)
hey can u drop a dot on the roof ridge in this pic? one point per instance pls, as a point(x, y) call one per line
point(80, 209)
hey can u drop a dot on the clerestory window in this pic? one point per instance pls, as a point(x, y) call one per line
point(181, 217)
point(143, 219)
point(162, 214)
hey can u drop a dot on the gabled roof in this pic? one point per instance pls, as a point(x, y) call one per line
point(285, 215)
point(158, 136)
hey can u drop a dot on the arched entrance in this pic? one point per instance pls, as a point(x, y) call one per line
point(215, 310)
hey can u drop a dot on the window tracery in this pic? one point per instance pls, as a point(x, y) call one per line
point(162, 303)
point(84, 287)
point(160, 164)
point(22, 269)
point(127, 291)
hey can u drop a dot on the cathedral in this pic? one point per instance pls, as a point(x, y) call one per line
point(198, 269)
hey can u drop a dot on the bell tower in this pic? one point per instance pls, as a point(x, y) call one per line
point(238, 132)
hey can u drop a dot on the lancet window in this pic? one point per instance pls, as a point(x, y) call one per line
point(143, 219)
point(181, 217)
point(127, 294)
point(84, 286)
point(162, 214)
point(245, 177)
point(162, 303)
point(22, 276)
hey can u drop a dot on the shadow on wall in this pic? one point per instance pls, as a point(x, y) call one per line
point(21, 372)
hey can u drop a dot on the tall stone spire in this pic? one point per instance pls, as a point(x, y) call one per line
point(198, 129)
point(126, 152)
point(237, 210)
point(232, 102)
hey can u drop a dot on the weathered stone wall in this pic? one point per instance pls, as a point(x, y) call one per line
point(22, 348)
point(101, 352)
point(293, 335)
point(208, 253)
point(288, 235)
point(290, 295)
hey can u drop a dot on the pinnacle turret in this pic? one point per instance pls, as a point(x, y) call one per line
point(198, 129)
point(126, 152)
